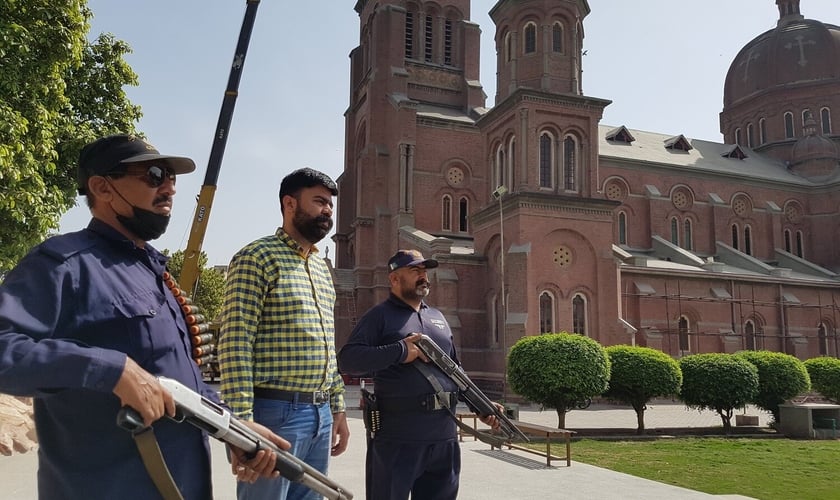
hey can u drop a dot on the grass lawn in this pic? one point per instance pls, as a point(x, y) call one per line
point(758, 468)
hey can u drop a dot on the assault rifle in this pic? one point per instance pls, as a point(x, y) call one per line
point(480, 403)
point(199, 411)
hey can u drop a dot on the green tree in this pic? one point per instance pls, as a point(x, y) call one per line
point(719, 382)
point(557, 370)
point(210, 291)
point(825, 376)
point(639, 374)
point(57, 92)
point(780, 377)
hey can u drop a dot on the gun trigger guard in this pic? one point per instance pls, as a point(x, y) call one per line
point(179, 416)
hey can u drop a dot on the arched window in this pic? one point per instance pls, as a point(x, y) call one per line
point(446, 211)
point(463, 207)
point(579, 315)
point(546, 159)
point(570, 164)
point(735, 236)
point(557, 38)
point(825, 121)
point(675, 231)
point(789, 132)
point(750, 135)
point(749, 335)
point(822, 339)
point(738, 139)
point(748, 240)
point(800, 250)
point(447, 42)
point(622, 228)
point(429, 42)
point(787, 241)
point(409, 35)
point(508, 48)
point(682, 326)
point(762, 131)
point(546, 312)
point(500, 165)
point(530, 38)
point(688, 239)
point(806, 113)
point(511, 163)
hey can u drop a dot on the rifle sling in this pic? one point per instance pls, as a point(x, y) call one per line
point(152, 458)
point(443, 398)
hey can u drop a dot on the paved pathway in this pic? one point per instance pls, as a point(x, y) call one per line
point(486, 474)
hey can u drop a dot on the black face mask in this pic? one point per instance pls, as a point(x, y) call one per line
point(145, 224)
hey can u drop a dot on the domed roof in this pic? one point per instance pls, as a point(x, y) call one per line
point(796, 52)
point(814, 146)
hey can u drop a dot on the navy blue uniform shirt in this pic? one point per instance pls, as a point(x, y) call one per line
point(374, 348)
point(70, 312)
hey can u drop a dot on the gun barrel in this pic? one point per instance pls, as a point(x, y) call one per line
point(470, 391)
point(299, 471)
point(222, 425)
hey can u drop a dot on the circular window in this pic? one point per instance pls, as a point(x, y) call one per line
point(614, 191)
point(792, 212)
point(562, 256)
point(681, 199)
point(455, 176)
point(741, 206)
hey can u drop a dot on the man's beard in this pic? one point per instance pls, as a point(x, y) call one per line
point(312, 228)
point(419, 291)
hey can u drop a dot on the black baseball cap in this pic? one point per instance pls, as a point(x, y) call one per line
point(115, 153)
point(408, 258)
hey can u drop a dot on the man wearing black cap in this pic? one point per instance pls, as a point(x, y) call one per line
point(415, 449)
point(86, 325)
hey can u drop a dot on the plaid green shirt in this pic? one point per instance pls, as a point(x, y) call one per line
point(277, 324)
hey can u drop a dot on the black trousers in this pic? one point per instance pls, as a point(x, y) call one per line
point(429, 471)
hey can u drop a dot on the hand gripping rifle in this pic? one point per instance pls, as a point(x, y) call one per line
point(218, 422)
point(480, 403)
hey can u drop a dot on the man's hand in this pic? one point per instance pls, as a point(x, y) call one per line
point(262, 464)
point(412, 351)
point(491, 419)
point(340, 434)
point(141, 391)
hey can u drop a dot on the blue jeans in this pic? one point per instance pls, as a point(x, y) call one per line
point(309, 428)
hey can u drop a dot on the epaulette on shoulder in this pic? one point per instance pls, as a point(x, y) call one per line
point(64, 246)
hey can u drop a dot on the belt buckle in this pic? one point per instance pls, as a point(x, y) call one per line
point(319, 397)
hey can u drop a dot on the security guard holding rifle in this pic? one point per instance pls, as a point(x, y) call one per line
point(415, 448)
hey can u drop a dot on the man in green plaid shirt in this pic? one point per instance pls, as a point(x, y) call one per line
point(277, 343)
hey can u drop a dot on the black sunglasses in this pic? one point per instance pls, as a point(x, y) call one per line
point(153, 176)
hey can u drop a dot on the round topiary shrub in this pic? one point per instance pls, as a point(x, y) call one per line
point(825, 376)
point(780, 377)
point(719, 382)
point(639, 374)
point(557, 370)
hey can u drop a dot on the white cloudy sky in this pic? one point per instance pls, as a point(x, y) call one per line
point(661, 62)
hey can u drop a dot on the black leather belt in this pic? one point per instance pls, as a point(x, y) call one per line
point(314, 398)
point(428, 402)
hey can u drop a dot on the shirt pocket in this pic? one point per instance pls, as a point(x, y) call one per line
point(150, 327)
point(141, 325)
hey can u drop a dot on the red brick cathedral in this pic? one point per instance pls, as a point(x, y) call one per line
point(546, 220)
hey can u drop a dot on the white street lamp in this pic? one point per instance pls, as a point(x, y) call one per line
point(497, 195)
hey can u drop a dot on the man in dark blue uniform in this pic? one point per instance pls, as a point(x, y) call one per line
point(86, 325)
point(415, 449)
